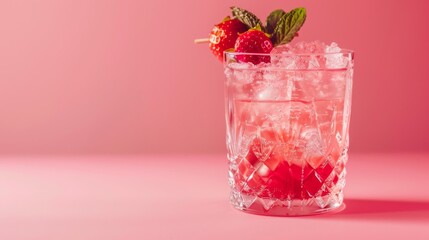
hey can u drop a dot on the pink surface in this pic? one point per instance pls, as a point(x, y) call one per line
point(82, 76)
point(186, 197)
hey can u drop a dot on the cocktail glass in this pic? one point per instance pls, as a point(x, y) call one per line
point(287, 137)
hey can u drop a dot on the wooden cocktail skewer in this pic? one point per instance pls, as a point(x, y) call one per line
point(201, 40)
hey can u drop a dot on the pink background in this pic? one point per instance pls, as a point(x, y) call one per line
point(125, 77)
point(100, 77)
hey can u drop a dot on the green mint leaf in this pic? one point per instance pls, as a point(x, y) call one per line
point(273, 18)
point(288, 25)
point(246, 17)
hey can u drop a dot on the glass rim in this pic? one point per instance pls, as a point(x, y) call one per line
point(343, 51)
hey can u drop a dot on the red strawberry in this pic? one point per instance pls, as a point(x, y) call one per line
point(253, 41)
point(224, 35)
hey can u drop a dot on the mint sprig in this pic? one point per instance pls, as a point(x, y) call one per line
point(281, 26)
point(246, 17)
point(273, 19)
point(288, 25)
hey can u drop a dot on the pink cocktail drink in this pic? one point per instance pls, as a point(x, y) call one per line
point(287, 131)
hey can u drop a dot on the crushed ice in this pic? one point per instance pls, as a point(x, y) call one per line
point(308, 55)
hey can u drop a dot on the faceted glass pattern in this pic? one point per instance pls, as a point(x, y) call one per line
point(287, 135)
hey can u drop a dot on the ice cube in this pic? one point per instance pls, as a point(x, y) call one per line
point(309, 85)
point(313, 47)
point(314, 147)
point(262, 148)
point(292, 62)
point(334, 57)
point(313, 140)
point(239, 73)
point(271, 74)
point(273, 90)
point(302, 55)
point(313, 63)
point(332, 48)
point(268, 92)
point(286, 48)
point(281, 57)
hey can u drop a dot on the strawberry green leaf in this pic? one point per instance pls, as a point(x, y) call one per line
point(288, 25)
point(273, 18)
point(227, 18)
point(246, 17)
point(257, 27)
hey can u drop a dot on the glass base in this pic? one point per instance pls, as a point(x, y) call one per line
point(299, 207)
